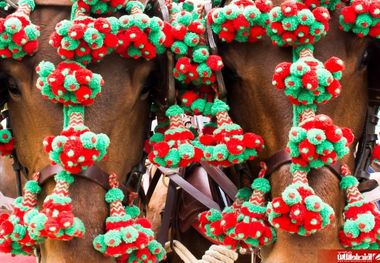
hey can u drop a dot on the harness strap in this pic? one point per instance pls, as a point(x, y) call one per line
point(282, 157)
point(93, 173)
point(221, 179)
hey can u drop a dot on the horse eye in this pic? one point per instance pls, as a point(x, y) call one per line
point(13, 87)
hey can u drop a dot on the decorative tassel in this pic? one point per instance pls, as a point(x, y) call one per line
point(244, 224)
point(317, 142)
point(298, 209)
point(292, 24)
point(56, 219)
point(242, 21)
point(252, 225)
point(177, 148)
point(15, 236)
point(229, 145)
point(6, 142)
point(307, 81)
point(361, 229)
point(76, 148)
point(362, 18)
point(18, 35)
point(128, 238)
point(214, 223)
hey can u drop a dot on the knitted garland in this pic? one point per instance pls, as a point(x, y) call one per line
point(18, 36)
point(15, 235)
point(240, 20)
point(128, 238)
point(176, 149)
point(244, 224)
point(197, 101)
point(361, 229)
point(229, 145)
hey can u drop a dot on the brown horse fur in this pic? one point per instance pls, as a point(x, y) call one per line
point(259, 107)
point(118, 112)
point(7, 178)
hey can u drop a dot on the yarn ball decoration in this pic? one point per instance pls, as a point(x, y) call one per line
point(214, 223)
point(141, 35)
point(56, 219)
point(127, 238)
point(307, 81)
point(361, 228)
point(293, 24)
point(240, 20)
point(69, 83)
point(76, 148)
point(15, 237)
point(99, 7)
point(198, 101)
point(362, 17)
point(177, 148)
point(318, 142)
point(6, 142)
point(85, 39)
point(299, 210)
point(229, 145)
point(158, 136)
point(194, 62)
point(18, 35)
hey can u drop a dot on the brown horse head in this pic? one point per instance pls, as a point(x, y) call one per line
point(259, 107)
point(120, 112)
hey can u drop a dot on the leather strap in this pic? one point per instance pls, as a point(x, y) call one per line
point(194, 192)
point(282, 157)
point(221, 179)
point(93, 174)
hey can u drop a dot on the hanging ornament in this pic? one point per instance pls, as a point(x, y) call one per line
point(229, 144)
point(127, 238)
point(6, 142)
point(177, 148)
point(307, 81)
point(18, 35)
point(15, 235)
point(56, 219)
point(298, 209)
point(317, 142)
point(361, 228)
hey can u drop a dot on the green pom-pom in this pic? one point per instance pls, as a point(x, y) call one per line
point(114, 194)
point(219, 106)
point(99, 243)
point(291, 195)
point(314, 203)
point(129, 234)
point(261, 184)
point(244, 193)
point(64, 176)
point(33, 187)
point(348, 181)
point(174, 110)
point(132, 211)
point(200, 54)
point(220, 152)
point(186, 151)
point(112, 238)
